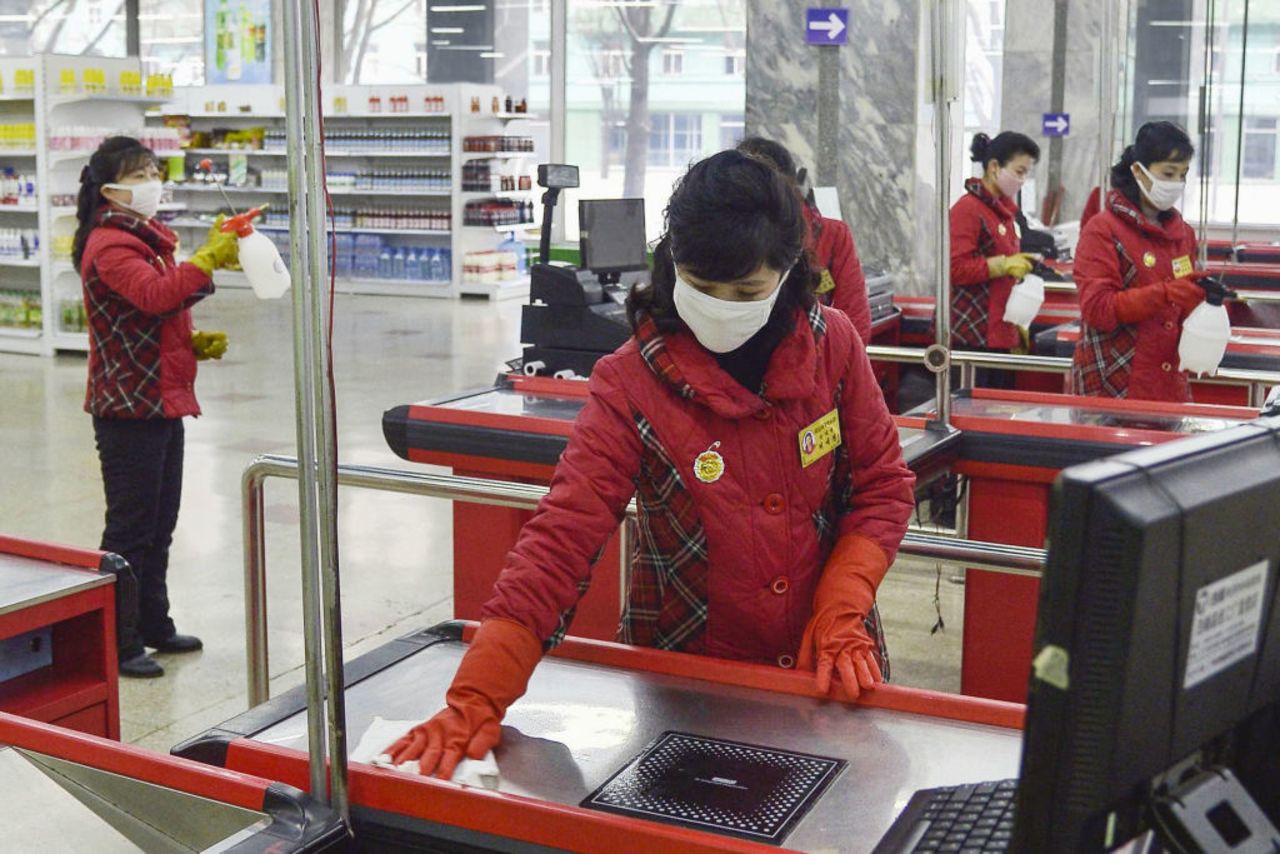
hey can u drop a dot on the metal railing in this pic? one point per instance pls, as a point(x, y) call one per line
point(968, 361)
point(1016, 560)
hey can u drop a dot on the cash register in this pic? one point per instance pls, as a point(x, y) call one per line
point(578, 314)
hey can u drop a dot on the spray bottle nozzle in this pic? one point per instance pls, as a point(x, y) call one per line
point(242, 224)
point(1215, 292)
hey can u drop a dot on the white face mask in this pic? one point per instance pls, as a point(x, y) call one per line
point(722, 325)
point(1163, 194)
point(1008, 182)
point(145, 199)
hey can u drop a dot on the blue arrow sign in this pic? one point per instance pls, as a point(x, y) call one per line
point(1056, 124)
point(826, 26)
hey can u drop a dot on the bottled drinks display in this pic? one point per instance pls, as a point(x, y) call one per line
point(71, 315)
point(498, 212)
point(17, 189)
point(396, 180)
point(407, 219)
point(85, 137)
point(370, 256)
point(479, 176)
point(493, 265)
point(20, 310)
point(410, 140)
point(497, 105)
point(498, 144)
point(19, 243)
point(17, 136)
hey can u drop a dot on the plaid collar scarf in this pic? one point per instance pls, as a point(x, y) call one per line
point(156, 235)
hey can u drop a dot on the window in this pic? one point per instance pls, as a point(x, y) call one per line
point(687, 110)
point(91, 27)
point(674, 139)
point(171, 33)
point(1259, 148)
point(611, 64)
point(385, 41)
point(732, 130)
point(541, 63)
point(1275, 65)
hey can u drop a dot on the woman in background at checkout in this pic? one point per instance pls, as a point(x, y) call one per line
point(1136, 275)
point(985, 259)
point(142, 371)
point(832, 253)
point(747, 422)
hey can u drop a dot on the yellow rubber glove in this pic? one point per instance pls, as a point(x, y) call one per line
point(208, 345)
point(1016, 266)
point(221, 249)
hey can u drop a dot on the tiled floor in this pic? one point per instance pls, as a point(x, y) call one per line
point(395, 550)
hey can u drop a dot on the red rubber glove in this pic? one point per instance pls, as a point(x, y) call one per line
point(835, 638)
point(1137, 304)
point(493, 674)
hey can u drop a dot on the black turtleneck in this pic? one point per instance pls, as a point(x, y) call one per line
point(748, 363)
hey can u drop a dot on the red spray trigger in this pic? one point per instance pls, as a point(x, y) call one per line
point(242, 224)
point(206, 165)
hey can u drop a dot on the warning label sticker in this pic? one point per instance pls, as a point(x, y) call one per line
point(1227, 619)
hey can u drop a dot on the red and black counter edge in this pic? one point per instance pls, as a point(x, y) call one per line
point(1051, 446)
point(1052, 342)
point(298, 821)
point(232, 739)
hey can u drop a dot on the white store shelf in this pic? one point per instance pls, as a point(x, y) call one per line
point(280, 191)
point(27, 342)
point(497, 289)
point(104, 98)
point(328, 152)
point(17, 152)
point(29, 263)
point(77, 341)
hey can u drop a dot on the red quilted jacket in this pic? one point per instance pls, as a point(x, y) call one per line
point(733, 531)
point(981, 226)
point(1120, 248)
point(831, 244)
point(137, 300)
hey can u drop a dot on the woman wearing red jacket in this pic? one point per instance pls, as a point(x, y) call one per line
point(1135, 271)
point(833, 256)
point(142, 370)
point(746, 421)
point(985, 259)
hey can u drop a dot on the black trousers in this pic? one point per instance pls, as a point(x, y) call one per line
point(142, 475)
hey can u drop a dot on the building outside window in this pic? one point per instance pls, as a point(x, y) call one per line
point(540, 61)
point(385, 41)
point(675, 139)
point(732, 129)
point(171, 36)
point(672, 62)
point(735, 64)
point(90, 27)
point(1259, 148)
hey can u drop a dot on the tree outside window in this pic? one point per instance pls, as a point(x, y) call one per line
point(384, 41)
point(1259, 148)
point(89, 27)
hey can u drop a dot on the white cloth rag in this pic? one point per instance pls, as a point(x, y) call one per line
point(481, 773)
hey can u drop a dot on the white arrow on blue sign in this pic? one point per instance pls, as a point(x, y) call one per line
point(1056, 124)
point(826, 26)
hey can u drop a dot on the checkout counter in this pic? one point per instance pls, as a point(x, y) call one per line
point(809, 774)
point(516, 430)
point(1012, 446)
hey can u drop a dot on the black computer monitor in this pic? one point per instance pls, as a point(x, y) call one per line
point(612, 235)
point(1158, 641)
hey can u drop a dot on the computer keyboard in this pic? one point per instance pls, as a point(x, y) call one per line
point(976, 817)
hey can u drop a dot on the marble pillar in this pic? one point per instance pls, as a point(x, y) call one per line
point(876, 146)
point(1028, 82)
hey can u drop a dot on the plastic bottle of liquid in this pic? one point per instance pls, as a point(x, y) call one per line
point(384, 263)
point(397, 264)
point(259, 257)
point(1024, 301)
point(1205, 333)
point(438, 271)
point(412, 266)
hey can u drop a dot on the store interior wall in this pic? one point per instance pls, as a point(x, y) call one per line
point(878, 122)
point(1028, 78)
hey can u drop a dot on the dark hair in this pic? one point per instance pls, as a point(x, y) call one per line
point(116, 157)
point(1156, 142)
point(1006, 146)
point(728, 214)
point(774, 154)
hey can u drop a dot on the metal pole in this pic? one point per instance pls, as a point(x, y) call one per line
point(304, 357)
point(1106, 95)
point(944, 91)
point(559, 76)
point(255, 586)
point(326, 440)
point(1244, 59)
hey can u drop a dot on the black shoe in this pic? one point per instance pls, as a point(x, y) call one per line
point(177, 643)
point(141, 666)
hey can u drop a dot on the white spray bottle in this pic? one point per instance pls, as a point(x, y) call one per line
point(1205, 332)
point(259, 257)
